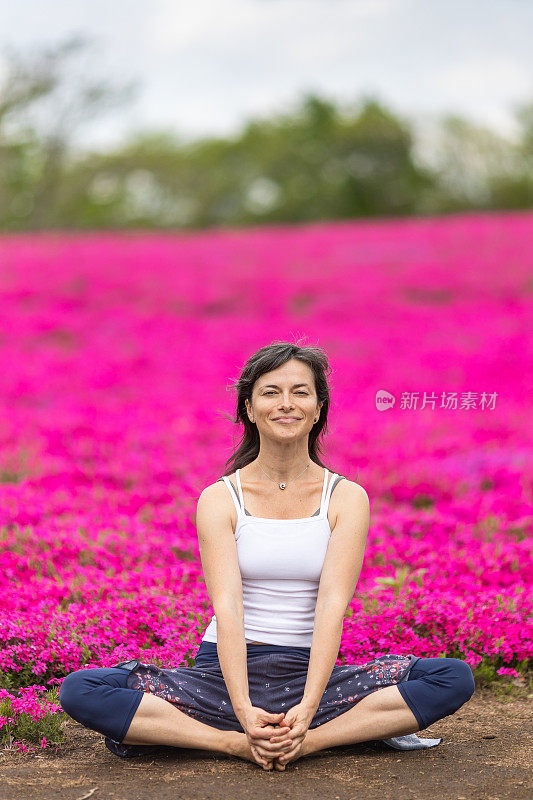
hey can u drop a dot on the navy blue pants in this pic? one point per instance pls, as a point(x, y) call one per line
point(100, 699)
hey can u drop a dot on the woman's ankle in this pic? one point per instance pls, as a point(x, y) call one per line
point(233, 742)
point(310, 744)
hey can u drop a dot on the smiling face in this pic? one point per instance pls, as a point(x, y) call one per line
point(284, 401)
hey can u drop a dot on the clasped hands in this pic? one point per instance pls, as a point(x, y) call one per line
point(277, 736)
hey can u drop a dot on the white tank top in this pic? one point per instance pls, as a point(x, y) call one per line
point(280, 561)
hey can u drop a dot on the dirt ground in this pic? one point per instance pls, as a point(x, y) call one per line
point(485, 755)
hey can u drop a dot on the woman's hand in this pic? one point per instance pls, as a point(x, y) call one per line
point(259, 725)
point(299, 717)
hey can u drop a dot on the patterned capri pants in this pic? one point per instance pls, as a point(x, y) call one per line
point(106, 699)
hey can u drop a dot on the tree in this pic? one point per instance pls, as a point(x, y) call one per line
point(44, 101)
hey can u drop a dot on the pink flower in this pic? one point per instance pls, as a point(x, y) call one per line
point(108, 351)
point(508, 671)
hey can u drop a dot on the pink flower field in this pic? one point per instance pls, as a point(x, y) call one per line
point(117, 356)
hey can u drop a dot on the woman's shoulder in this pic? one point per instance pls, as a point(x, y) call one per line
point(214, 490)
point(350, 490)
point(215, 497)
point(349, 501)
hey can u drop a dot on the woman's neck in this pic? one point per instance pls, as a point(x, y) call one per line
point(282, 471)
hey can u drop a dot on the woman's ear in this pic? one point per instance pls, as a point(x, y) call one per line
point(249, 410)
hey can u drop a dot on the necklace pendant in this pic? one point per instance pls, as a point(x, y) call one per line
point(282, 485)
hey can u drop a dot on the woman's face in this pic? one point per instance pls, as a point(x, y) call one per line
point(284, 401)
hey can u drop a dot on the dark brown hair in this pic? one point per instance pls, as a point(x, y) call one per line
point(264, 360)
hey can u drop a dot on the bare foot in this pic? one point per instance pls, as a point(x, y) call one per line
point(305, 750)
point(240, 747)
point(292, 759)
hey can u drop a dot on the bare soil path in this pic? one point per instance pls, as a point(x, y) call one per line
point(485, 755)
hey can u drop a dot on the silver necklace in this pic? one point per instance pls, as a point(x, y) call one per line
point(283, 485)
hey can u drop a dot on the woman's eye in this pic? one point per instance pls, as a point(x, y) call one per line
point(265, 393)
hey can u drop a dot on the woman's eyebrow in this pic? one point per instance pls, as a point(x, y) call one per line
point(273, 386)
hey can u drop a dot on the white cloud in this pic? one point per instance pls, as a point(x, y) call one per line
point(206, 66)
point(268, 22)
point(484, 76)
point(485, 86)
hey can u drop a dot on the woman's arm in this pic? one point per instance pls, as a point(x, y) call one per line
point(218, 552)
point(340, 573)
point(220, 563)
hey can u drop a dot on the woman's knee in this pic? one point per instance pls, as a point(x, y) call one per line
point(82, 689)
point(100, 699)
point(454, 680)
point(439, 688)
point(464, 685)
point(446, 684)
point(71, 691)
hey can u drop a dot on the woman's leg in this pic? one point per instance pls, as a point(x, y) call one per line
point(379, 715)
point(436, 688)
point(100, 700)
point(157, 721)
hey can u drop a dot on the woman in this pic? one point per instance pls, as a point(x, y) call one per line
point(280, 576)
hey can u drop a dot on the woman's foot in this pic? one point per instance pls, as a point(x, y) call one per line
point(240, 747)
point(308, 747)
point(304, 751)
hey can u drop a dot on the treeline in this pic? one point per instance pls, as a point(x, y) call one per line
point(321, 161)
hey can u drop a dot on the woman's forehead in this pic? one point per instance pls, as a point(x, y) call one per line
point(290, 373)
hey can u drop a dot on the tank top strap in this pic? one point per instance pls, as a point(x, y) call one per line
point(324, 488)
point(328, 493)
point(232, 493)
point(239, 487)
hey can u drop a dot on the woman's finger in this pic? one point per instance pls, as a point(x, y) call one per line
point(259, 758)
point(283, 734)
point(272, 728)
point(259, 734)
point(294, 745)
point(277, 748)
point(268, 750)
point(292, 734)
point(290, 751)
point(280, 737)
point(262, 756)
point(289, 755)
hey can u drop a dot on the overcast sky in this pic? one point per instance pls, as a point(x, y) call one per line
point(205, 66)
